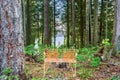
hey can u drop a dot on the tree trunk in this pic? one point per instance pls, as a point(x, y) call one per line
point(28, 27)
point(87, 21)
point(54, 24)
point(11, 38)
point(106, 26)
point(116, 35)
point(47, 37)
point(90, 21)
point(95, 29)
point(24, 20)
point(101, 22)
point(73, 24)
point(81, 24)
point(38, 19)
point(68, 23)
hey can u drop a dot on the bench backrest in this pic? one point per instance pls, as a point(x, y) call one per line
point(51, 54)
point(69, 54)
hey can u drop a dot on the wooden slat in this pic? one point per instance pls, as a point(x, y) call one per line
point(69, 55)
point(51, 54)
point(60, 60)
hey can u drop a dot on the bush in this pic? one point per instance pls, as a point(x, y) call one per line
point(95, 61)
point(87, 55)
point(85, 73)
point(115, 78)
point(6, 75)
point(29, 50)
point(39, 56)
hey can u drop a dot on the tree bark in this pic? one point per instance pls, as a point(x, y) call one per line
point(68, 24)
point(106, 26)
point(87, 21)
point(11, 38)
point(95, 29)
point(116, 35)
point(47, 37)
point(101, 22)
point(90, 21)
point(28, 27)
point(24, 20)
point(73, 24)
point(54, 25)
point(81, 24)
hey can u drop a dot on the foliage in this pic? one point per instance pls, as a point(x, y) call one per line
point(29, 49)
point(85, 73)
point(115, 78)
point(35, 78)
point(106, 42)
point(6, 75)
point(27, 71)
point(81, 58)
point(44, 79)
point(88, 50)
point(7, 71)
point(95, 62)
point(40, 56)
point(87, 55)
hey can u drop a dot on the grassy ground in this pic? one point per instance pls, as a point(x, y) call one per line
point(108, 70)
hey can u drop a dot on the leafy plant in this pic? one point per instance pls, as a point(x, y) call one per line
point(115, 78)
point(37, 56)
point(84, 50)
point(7, 71)
point(95, 61)
point(29, 50)
point(27, 72)
point(85, 73)
point(106, 42)
point(6, 75)
point(44, 79)
point(35, 78)
point(81, 58)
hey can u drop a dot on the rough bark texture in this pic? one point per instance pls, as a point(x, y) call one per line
point(95, 29)
point(87, 21)
point(81, 24)
point(116, 36)
point(24, 19)
point(47, 37)
point(68, 23)
point(54, 23)
point(90, 21)
point(73, 24)
point(11, 39)
point(101, 22)
point(28, 27)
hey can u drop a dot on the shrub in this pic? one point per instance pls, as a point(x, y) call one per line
point(85, 73)
point(95, 61)
point(6, 75)
point(115, 78)
point(35, 78)
point(29, 50)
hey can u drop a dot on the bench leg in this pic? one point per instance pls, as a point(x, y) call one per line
point(75, 69)
point(44, 70)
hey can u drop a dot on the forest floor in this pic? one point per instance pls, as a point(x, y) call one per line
point(107, 70)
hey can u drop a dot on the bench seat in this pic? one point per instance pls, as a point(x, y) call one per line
point(59, 60)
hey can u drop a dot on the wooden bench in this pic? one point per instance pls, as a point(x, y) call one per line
point(52, 56)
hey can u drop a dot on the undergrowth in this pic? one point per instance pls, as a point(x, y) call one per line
point(6, 75)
